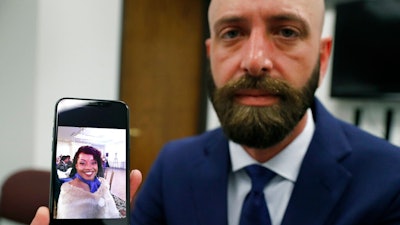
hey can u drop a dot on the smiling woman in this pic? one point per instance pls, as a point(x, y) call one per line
point(87, 195)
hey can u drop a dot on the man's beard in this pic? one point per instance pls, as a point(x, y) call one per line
point(262, 126)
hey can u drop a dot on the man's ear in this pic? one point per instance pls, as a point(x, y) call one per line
point(208, 43)
point(325, 54)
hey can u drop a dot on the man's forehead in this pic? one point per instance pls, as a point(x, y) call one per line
point(221, 6)
point(310, 10)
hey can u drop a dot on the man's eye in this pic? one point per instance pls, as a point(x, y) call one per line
point(288, 33)
point(230, 34)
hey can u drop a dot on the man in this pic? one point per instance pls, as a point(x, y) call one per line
point(267, 58)
point(65, 163)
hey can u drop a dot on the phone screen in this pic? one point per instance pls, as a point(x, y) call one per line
point(90, 162)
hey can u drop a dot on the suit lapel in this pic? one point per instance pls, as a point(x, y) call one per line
point(322, 179)
point(320, 184)
point(211, 180)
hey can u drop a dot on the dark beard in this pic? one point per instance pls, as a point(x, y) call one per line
point(262, 126)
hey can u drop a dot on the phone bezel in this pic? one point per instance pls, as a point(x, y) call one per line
point(96, 113)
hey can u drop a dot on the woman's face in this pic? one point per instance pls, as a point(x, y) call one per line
point(86, 166)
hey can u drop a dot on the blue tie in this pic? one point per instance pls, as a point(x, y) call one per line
point(255, 210)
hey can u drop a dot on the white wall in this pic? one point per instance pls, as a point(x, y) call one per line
point(51, 49)
point(77, 56)
point(373, 117)
point(17, 66)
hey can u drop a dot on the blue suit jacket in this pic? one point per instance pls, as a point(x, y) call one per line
point(348, 177)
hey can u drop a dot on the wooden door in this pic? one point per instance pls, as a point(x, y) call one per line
point(161, 73)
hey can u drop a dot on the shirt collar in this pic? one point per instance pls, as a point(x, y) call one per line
point(286, 163)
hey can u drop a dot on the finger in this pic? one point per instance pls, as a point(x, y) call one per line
point(42, 216)
point(135, 181)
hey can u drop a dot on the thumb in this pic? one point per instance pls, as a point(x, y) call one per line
point(135, 181)
point(42, 216)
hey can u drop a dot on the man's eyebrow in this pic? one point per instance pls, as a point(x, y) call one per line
point(287, 17)
point(227, 20)
point(283, 17)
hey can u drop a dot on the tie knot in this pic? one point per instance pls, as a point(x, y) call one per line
point(259, 176)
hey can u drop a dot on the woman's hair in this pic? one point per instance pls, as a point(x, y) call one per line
point(89, 150)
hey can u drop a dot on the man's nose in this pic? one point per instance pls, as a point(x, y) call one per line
point(256, 59)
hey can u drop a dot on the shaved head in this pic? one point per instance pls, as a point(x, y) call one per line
point(314, 9)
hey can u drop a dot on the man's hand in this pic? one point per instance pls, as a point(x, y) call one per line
point(135, 181)
point(42, 216)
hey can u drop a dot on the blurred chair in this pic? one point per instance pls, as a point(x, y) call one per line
point(22, 193)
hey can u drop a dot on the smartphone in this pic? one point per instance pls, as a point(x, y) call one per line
point(90, 163)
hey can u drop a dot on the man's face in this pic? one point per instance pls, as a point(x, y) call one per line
point(265, 58)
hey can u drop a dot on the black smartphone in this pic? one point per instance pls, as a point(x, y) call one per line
point(90, 163)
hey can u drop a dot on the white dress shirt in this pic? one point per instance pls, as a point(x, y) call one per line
point(278, 191)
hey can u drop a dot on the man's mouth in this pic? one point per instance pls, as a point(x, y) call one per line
point(255, 97)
